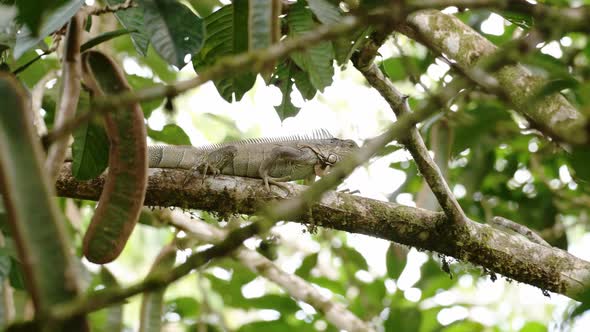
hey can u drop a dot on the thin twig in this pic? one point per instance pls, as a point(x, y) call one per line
point(297, 287)
point(520, 229)
point(37, 101)
point(70, 93)
point(413, 142)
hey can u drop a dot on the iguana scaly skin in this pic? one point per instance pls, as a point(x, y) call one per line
point(273, 160)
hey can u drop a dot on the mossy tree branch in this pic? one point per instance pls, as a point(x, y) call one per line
point(553, 114)
point(515, 257)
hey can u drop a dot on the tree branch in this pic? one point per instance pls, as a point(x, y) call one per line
point(549, 18)
point(512, 256)
point(70, 93)
point(297, 287)
point(103, 298)
point(552, 114)
point(414, 142)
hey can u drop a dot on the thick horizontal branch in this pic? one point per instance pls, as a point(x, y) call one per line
point(553, 114)
point(515, 257)
point(551, 18)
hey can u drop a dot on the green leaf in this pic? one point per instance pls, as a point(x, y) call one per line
point(303, 84)
point(16, 277)
point(325, 11)
point(37, 226)
point(403, 318)
point(226, 36)
point(465, 326)
point(345, 46)
point(103, 37)
point(317, 60)
point(138, 83)
point(533, 327)
point(184, 306)
point(309, 262)
point(580, 159)
point(263, 24)
point(90, 150)
point(31, 12)
point(284, 81)
point(479, 125)
point(401, 68)
point(282, 303)
point(170, 134)
point(25, 39)
point(132, 20)
point(396, 259)
point(175, 31)
point(352, 259)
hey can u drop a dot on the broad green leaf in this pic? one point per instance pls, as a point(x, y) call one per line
point(226, 36)
point(90, 150)
point(25, 39)
point(284, 81)
point(264, 28)
point(325, 11)
point(402, 68)
point(176, 33)
point(465, 326)
point(303, 83)
point(396, 259)
point(204, 7)
point(132, 20)
point(37, 226)
point(263, 23)
point(32, 12)
point(316, 60)
point(170, 134)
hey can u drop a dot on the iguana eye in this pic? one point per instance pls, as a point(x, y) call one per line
point(332, 159)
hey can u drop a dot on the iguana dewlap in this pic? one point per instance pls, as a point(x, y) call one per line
point(271, 159)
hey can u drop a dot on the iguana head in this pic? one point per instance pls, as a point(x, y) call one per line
point(331, 151)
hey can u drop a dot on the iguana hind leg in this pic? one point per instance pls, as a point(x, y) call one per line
point(215, 162)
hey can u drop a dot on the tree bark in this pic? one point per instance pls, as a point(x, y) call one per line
point(513, 256)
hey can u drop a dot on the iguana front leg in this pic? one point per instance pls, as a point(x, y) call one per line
point(215, 161)
point(281, 153)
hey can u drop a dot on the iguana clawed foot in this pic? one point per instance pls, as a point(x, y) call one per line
point(214, 163)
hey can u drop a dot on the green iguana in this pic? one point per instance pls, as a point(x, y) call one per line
point(273, 160)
